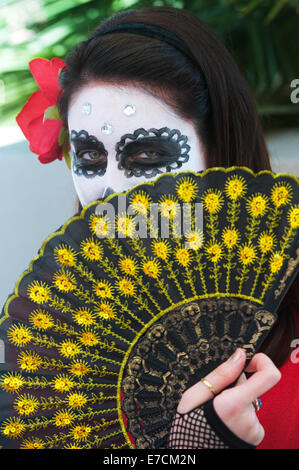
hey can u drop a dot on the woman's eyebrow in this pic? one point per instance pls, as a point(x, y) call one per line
point(151, 143)
point(145, 135)
point(148, 140)
point(84, 139)
point(152, 136)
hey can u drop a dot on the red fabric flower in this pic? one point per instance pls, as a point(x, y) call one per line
point(41, 131)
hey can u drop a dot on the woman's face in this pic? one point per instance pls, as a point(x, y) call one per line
point(121, 136)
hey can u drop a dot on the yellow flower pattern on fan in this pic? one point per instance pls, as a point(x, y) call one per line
point(169, 207)
point(69, 349)
point(186, 189)
point(128, 266)
point(293, 217)
point(29, 361)
point(83, 317)
point(100, 225)
point(257, 205)
point(161, 249)
point(88, 338)
point(81, 432)
point(65, 255)
point(195, 239)
point(77, 400)
point(91, 250)
point(34, 443)
point(235, 187)
point(72, 446)
point(103, 289)
point(151, 268)
point(12, 382)
point(276, 262)
point(26, 405)
point(140, 202)
point(266, 242)
point(105, 311)
point(20, 335)
point(183, 256)
point(62, 384)
point(125, 226)
point(41, 319)
point(126, 287)
point(214, 252)
point(213, 201)
point(79, 369)
point(64, 418)
point(13, 427)
point(230, 237)
point(281, 194)
point(64, 281)
point(39, 292)
point(247, 255)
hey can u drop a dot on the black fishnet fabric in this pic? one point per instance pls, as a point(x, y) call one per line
point(192, 431)
point(202, 428)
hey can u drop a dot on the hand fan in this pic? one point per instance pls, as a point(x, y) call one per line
point(138, 297)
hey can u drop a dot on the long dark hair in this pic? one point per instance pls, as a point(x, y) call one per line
point(209, 91)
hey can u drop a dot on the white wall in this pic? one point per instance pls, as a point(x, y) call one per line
point(284, 150)
point(35, 200)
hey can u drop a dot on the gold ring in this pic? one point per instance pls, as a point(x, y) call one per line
point(210, 386)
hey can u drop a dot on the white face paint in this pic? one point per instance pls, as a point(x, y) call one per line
point(101, 160)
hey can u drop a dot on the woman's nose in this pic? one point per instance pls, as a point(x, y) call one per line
point(113, 174)
point(107, 191)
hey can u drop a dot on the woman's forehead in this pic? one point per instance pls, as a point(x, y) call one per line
point(114, 110)
point(102, 93)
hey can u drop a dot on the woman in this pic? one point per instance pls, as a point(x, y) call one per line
point(176, 81)
point(208, 101)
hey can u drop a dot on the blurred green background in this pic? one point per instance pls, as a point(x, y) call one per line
point(262, 35)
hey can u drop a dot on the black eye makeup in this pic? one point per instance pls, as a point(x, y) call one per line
point(152, 152)
point(89, 154)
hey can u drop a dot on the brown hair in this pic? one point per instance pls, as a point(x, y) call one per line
point(208, 91)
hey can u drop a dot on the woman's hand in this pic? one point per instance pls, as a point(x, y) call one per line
point(234, 405)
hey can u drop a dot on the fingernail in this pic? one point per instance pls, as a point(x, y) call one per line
point(236, 356)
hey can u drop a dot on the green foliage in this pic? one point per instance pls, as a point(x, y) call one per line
point(261, 35)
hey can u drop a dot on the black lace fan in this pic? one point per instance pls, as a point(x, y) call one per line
point(139, 296)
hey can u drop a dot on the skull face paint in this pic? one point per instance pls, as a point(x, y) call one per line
point(88, 154)
point(164, 150)
point(143, 144)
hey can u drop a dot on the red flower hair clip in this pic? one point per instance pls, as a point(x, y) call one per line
point(39, 119)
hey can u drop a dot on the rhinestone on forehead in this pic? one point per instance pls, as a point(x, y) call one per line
point(129, 109)
point(107, 128)
point(86, 108)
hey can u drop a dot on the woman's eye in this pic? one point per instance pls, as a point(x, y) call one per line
point(148, 156)
point(91, 155)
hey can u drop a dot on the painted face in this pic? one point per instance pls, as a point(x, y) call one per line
point(122, 136)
